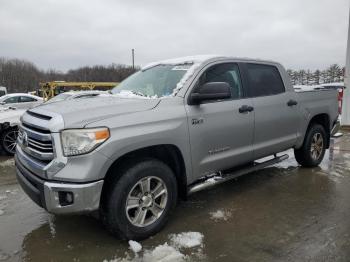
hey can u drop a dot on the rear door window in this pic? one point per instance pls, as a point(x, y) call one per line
point(25, 99)
point(264, 80)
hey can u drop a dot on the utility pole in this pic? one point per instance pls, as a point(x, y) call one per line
point(345, 116)
point(133, 58)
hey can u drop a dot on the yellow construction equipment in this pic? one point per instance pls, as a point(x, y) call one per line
point(51, 89)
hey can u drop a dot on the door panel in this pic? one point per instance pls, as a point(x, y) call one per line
point(221, 137)
point(275, 124)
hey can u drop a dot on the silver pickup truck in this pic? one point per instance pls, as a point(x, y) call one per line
point(169, 130)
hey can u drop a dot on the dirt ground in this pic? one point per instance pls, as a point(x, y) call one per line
point(281, 213)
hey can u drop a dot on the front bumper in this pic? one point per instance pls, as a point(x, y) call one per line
point(48, 194)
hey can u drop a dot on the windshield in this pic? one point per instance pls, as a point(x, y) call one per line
point(157, 81)
point(59, 97)
point(4, 97)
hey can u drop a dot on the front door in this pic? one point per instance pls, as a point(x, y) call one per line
point(221, 134)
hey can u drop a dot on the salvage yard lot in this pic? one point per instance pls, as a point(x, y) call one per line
point(281, 213)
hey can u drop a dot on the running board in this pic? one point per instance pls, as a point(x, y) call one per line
point(221, 178)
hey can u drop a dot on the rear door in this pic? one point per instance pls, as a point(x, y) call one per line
point(27, 102)
point(221, 136)
point(276, 118)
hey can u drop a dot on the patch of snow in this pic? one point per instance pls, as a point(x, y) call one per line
point(135, 246)
point(8, 162)
point(128, 94)
point(164, 253)
point(187, 239)
point(2, 212)
point(220, 215)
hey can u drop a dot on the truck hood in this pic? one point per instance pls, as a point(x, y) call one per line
point(80, 112)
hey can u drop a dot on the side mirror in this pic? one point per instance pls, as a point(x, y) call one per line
point(210, 91)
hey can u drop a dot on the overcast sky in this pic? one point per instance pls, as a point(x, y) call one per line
point(64, 34)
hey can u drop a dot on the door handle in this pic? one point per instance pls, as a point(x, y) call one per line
point(245, 109)
point(292, 103)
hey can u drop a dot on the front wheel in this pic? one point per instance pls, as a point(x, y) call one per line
point(8, 139)
point(314, 147)
point(139, 203)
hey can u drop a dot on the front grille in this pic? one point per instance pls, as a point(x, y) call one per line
point(36, 142)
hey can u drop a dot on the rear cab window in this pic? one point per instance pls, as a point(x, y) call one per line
point(264, 80)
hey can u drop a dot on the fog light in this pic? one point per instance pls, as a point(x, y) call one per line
point(65, 198)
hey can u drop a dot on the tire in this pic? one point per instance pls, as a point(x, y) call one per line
point(8, 140)
point(310, 155)
point(130, 191)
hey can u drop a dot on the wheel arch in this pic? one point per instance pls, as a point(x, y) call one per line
point(167, 153)
point(323, 120)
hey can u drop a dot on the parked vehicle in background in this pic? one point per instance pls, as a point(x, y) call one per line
point(76, 94)
point(9, 120)
point(10, 117)
point(20, 100)
point(3, 91)
point(171, 129)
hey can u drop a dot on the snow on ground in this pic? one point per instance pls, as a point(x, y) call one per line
point(8, 162)
point(220, 215)
point(135, 246)
point(187, 239)
point(165, 252)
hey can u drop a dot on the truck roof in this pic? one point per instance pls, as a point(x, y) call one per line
point(199, 59)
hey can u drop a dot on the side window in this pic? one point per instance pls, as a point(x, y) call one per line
point(228, 73)
point(10, 100)
point(25, 99)
point(264, 80)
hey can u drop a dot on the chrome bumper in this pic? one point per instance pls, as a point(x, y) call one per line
point(51, 195)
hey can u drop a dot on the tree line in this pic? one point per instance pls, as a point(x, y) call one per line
point(19, 75)
point(23, 76)
point(333, 73)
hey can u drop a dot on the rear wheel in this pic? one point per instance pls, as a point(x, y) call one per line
point(314, 147)
point(8, 140)
point(139, 203)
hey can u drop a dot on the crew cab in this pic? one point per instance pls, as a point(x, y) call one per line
point(169, 130)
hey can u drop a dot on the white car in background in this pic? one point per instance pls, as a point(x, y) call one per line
point(20, 101)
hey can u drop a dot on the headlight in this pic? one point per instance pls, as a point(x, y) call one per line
point(82, 141)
